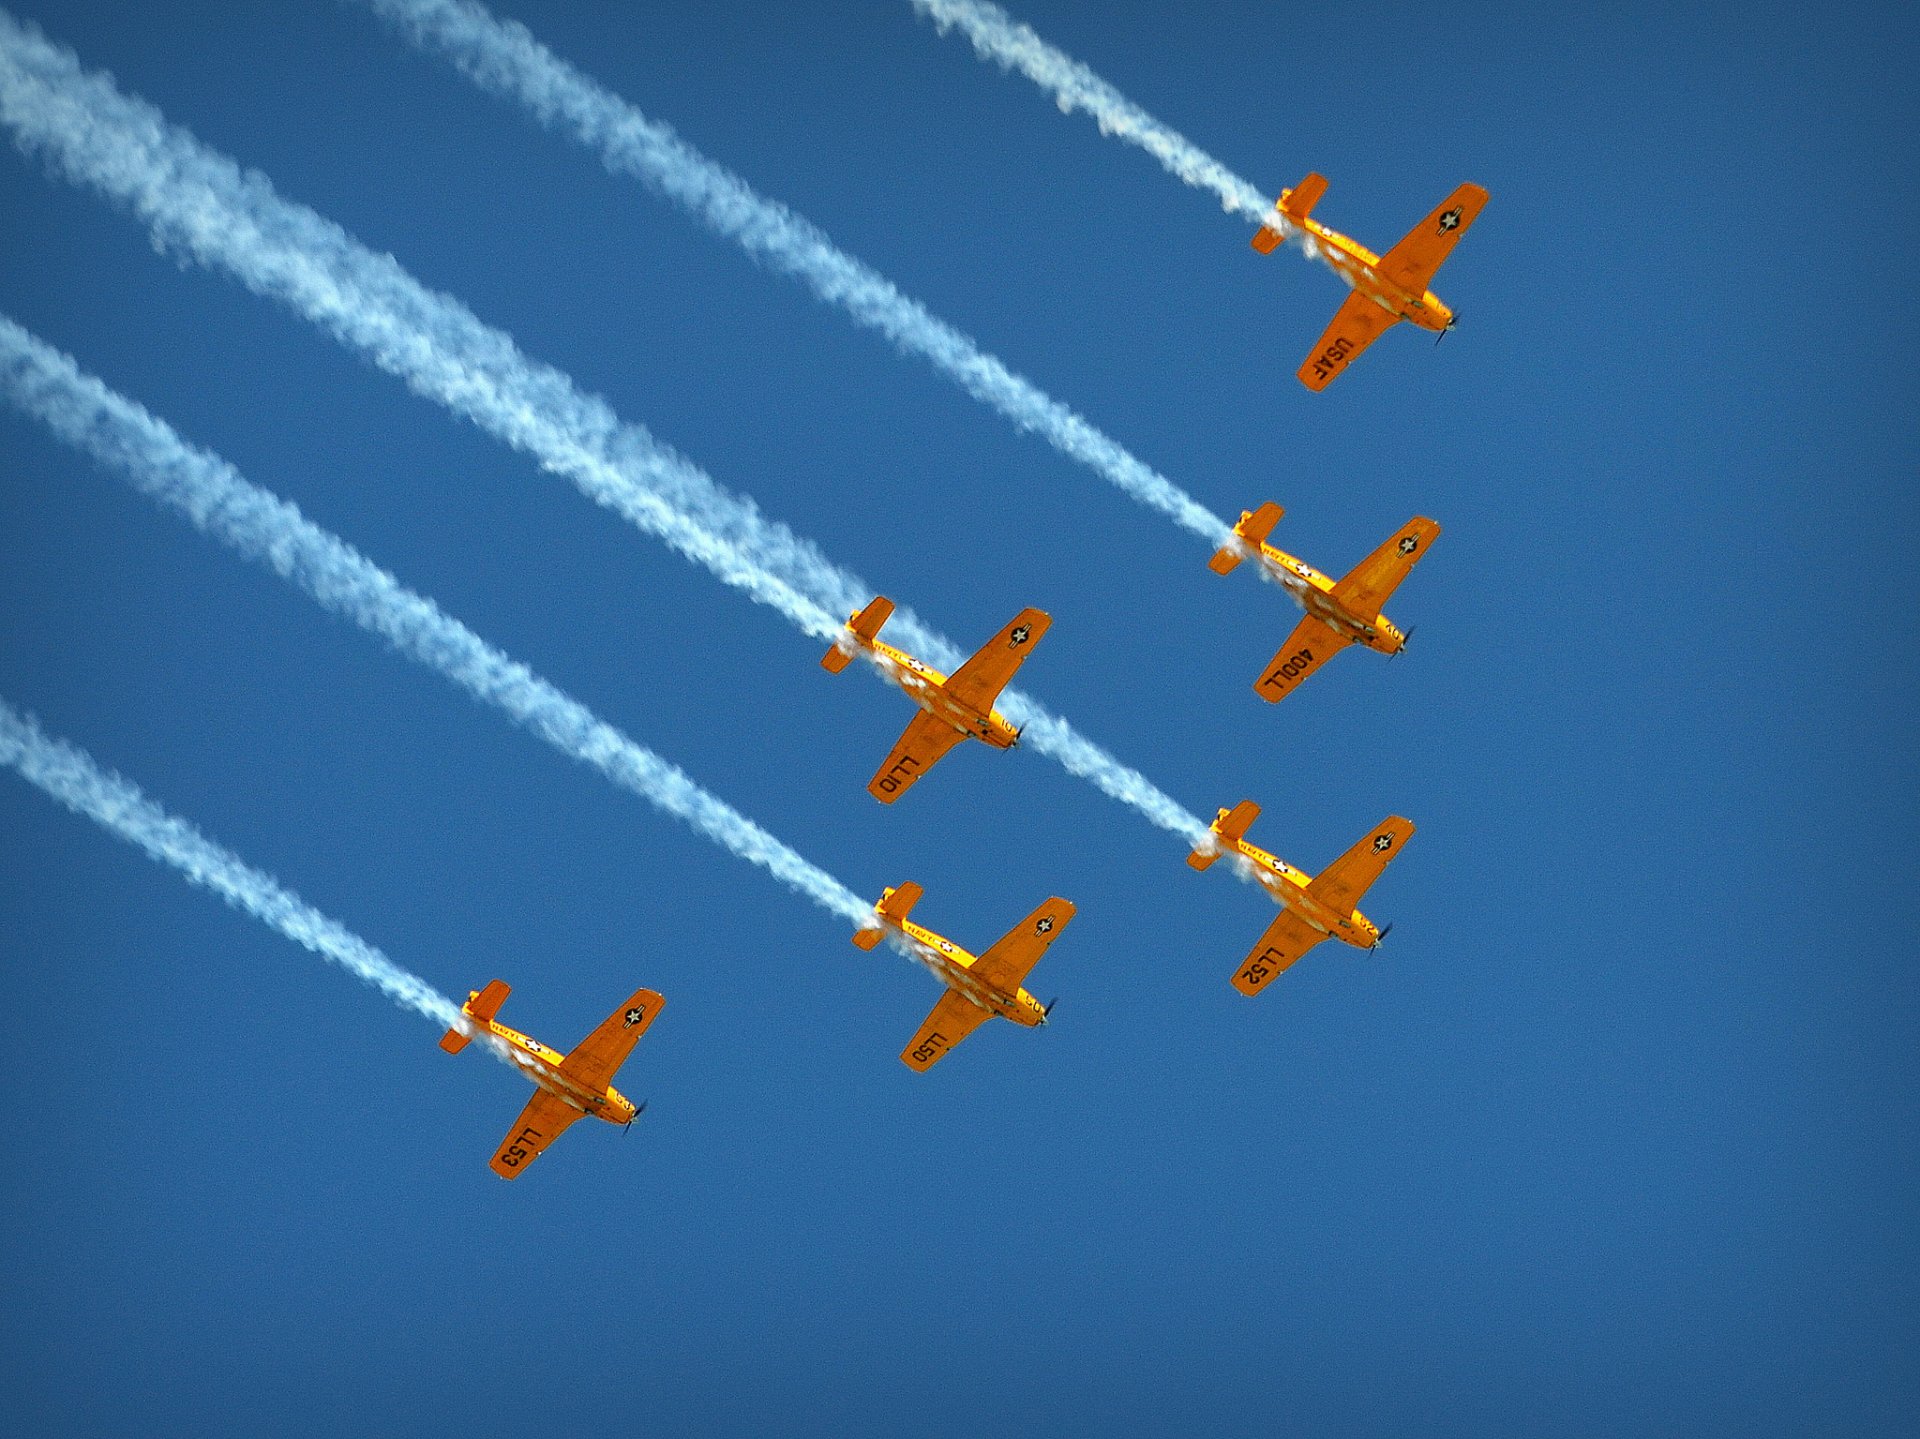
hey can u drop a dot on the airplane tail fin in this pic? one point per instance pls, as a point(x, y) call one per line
point(1366, 587)
point(866, 625)
point(896, 903)
point(1252, 531)
point(1229, 826)
point(481, 1006)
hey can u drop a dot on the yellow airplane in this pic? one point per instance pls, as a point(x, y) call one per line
point(951, 709)
point(568, 1086)
point(1339, 613)
point(978, 986)
point(1311, 908)
point(1387, 288)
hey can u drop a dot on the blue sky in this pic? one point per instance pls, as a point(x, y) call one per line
point(1614, 1136)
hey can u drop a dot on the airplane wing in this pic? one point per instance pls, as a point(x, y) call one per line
point(1340, 885)
point(952, 1020)
point(544, 1120)
point(1286, 939)
point(1007, 962)
point(980, 679)
point(1366, 587)
point(595, 1058)
point(925, 740)
point(1312, 643)
point(1356, 324)
point(1412, 262)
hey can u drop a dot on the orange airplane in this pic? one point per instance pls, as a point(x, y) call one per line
point(1387, 288)
point(1311, 908)
point(951, 709)
point(1339, 613)
point(978, 986)
point(568, 1086)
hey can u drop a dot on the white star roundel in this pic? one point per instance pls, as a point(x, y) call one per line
point(1382, 843)
point(1045, 926)
point(634, 1016)
point(1019, 634)
point(1409, 545)
point(1450, 220)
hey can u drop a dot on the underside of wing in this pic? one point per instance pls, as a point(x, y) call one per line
point(1365, 588)
point(544, 1120)
point(1006, 964)
point(1340, 885)
point(1312, 644)
point(952, 1020)
point(1356, 324)
point(1286, 939)
point(978, 682)
point(595, 1059)
point(920, 748)
point(1412, 262)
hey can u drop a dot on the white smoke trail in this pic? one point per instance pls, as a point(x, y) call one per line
point(85, 413)
point(201, 206)
point(73, 779)
point(997, 36)
point(503, 57)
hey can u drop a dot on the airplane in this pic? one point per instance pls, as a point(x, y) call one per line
point(1339, 613)
point(1311, 908)
point(567, 1086)
point(952, 709)
point(1387, 288)
point(978, 986)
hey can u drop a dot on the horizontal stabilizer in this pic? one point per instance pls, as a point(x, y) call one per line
point(1298, 203)
point(481, 1006)
point(866, 624)
point(1366, 587)
point(1266, 241)
point(1229, 828)
point(1340, 885)
point(1252, 532)
point(896, 903)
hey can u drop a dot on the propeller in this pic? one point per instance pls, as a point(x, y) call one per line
point(1443, 333)
point(1406, 638)
point(1385, 930)
point(1047, 1008)
point(638, 1110)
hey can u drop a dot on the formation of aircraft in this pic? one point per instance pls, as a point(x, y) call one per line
point(1339, 612)
point(978, 986)
point(566, 1086)
point(1387, 288)
point(951, 708)
point(1312, 907)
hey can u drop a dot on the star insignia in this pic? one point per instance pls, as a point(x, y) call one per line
point(1409, 545)
point(1382, 843)
point(1045, 926)
point(1450, 220)
point(634, 1016)
point(1019, 634)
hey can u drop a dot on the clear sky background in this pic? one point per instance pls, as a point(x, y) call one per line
point(1614, 1136)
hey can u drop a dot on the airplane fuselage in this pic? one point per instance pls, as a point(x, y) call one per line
point(1360, 268)
point(542, 1066)
point(955, 966)
point(1313, 592)
point(1289, 887)
point(927, 686)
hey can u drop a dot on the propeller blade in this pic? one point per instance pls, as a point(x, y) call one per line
point(1385, 930)
point(1047, 1008)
